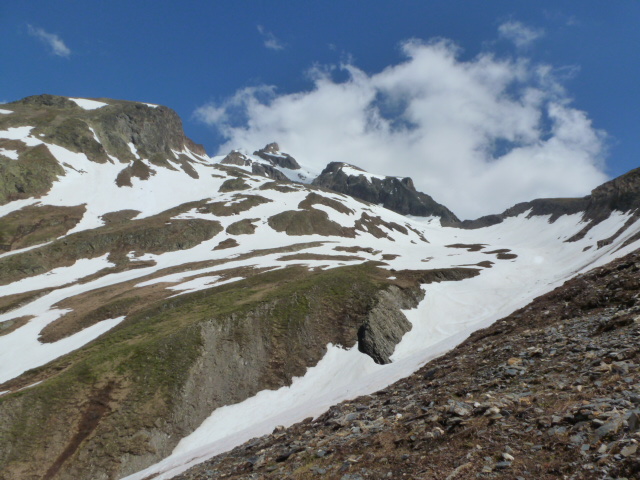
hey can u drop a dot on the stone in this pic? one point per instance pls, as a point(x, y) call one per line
point(629, 450)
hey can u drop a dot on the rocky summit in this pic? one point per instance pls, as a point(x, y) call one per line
point(161, 308)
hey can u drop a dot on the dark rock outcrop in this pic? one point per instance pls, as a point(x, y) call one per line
point(265, 170)
point(236, 158)
point(271, 153)
point(393, 193)
point(269, 172)
point(385, 325)
point(556, 207)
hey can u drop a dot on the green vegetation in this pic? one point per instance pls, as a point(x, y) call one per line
point(148, 357)
point(31, 175)
point(137, 169)
point(242, 227)
point(37, 224)
point(313, 198)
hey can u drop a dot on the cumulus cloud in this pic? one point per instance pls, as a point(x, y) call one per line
point(518, 33)
point(53, 41)
point(270, 40)
point(478, 135)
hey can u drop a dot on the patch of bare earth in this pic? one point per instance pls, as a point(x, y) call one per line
point(9, 326)
point(475, 247)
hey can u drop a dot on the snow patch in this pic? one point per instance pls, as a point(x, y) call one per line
point(16, 133)
point(21, 350)
point(58, 276)
point(95, 135)
point(12, 154)
point(350, 170)
point(5, 112)
point(88, 104)
point(133, 149)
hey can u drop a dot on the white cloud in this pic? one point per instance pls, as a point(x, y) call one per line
point(478, 135)
point(54, 42)
point(521, 35)
point(270, 40)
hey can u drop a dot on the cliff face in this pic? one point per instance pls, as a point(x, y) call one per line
point(398, 195)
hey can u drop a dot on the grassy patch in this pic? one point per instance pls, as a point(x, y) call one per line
point(233, 184)
point(308, 222)
point(155, 234)
point(242, 227)
point(225, 209)
point(313, 199)
point(37, 224)
point(149, 355)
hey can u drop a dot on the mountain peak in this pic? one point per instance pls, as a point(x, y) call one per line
point(393, 193)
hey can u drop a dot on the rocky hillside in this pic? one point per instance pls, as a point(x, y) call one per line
point(109, 131)
point(551, 391)
point(155, 301)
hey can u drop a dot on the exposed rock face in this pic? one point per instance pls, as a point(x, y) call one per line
point(152, 130)
point(266, 170)
point(556, 207)
point(385, 325)
point(272, 154)
point(393, 193)
point(236, 158)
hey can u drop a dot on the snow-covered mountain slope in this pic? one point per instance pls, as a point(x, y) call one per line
point(156, 303)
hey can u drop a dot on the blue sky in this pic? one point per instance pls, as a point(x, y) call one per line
point(235, 70)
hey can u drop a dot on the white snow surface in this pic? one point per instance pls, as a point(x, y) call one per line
point(88, 104)
point(351, 170)
point(5, 112)
point(16, 133)
point(12, 154)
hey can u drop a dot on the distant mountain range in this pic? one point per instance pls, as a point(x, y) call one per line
point(159, 306)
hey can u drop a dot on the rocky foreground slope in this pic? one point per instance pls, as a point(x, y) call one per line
point(551, 391)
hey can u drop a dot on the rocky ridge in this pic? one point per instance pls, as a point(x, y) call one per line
point(398, 195)
point(551, 391)
point(619, 194)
